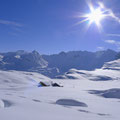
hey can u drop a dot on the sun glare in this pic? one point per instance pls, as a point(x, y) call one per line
point(95, 16)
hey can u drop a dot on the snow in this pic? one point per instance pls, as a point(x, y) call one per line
point(17, 56)
point(1, 57)
point(21, 99)
point(115, 65)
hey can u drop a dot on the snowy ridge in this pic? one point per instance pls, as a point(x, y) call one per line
point(113, 65)
point(109, 71)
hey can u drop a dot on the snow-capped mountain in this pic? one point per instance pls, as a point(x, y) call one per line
point(82, 60)
point(53, 65)
point(22, 60)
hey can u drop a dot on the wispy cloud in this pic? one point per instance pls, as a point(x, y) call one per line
point(15, 27)
point(6, 22)
point(110, 12)
point(100, 48)
point(113, 35)
point(110, 41)
point(114, 42)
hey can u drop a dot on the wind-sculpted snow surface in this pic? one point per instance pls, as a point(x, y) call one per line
point(109, 71)
point(22, 99)
point(111, 93)
point(113, 65)
point(70, 102)
point(5, 103)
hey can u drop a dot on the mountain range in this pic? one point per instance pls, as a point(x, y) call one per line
point(56, 64)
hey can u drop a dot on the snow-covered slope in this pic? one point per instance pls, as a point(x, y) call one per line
point(113, 65)
point(109, 71)
point(84, 98)
point(21, 78)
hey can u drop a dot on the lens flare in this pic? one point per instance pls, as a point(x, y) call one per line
point(95, 16)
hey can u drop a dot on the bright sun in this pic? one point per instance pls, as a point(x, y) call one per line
point(95, 16)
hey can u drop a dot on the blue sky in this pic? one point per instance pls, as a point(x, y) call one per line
point(49, 26)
